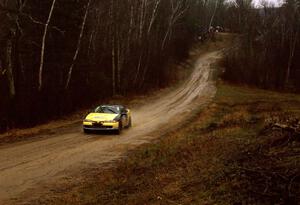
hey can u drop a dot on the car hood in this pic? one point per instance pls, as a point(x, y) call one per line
point(101, 117)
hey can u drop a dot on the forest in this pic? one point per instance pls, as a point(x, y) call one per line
point(268, 52)
point(59, 55)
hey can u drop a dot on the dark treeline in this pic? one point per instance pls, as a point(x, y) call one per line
point(59, 55)
point(268, 54)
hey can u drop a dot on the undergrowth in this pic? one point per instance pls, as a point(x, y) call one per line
point(230, 153)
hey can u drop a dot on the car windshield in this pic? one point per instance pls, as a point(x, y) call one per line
point(108, 109)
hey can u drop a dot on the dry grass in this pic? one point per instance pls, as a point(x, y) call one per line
point(226, 154)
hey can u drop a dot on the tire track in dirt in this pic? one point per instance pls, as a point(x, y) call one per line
point(26, 165)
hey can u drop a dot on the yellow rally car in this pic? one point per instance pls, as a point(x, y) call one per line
point(107, 117)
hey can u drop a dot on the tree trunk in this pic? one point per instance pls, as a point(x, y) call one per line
point(43, 46)
point(293, 42)
point(119, 62)
point(78, 45)
point(213, 15)
point(9, 72)
point(154, 14)
point(113, 62)
point(113, 50)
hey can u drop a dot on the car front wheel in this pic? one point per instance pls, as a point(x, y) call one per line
point(129, 123)
point(119, 130)
point(86, 131)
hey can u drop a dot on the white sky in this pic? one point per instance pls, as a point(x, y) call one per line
point(273, 2)
point(257, 3)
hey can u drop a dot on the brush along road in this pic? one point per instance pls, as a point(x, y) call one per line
point(33, 163)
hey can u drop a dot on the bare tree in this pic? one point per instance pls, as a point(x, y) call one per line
point(292, 9)
point(78, 45)
point(178, 8)
point(213, 15)
point(43, 46)
point(153, 15)
point(113, 51)
point(9, 69)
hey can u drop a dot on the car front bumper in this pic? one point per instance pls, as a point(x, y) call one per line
point(100, 126)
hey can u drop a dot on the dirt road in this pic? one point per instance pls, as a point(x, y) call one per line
point(29, 164)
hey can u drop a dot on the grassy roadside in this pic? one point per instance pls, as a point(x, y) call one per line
point(227, 154)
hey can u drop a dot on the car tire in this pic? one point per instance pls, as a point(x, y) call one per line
point(86, 131)
point(119, 130)
point(129, 123)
